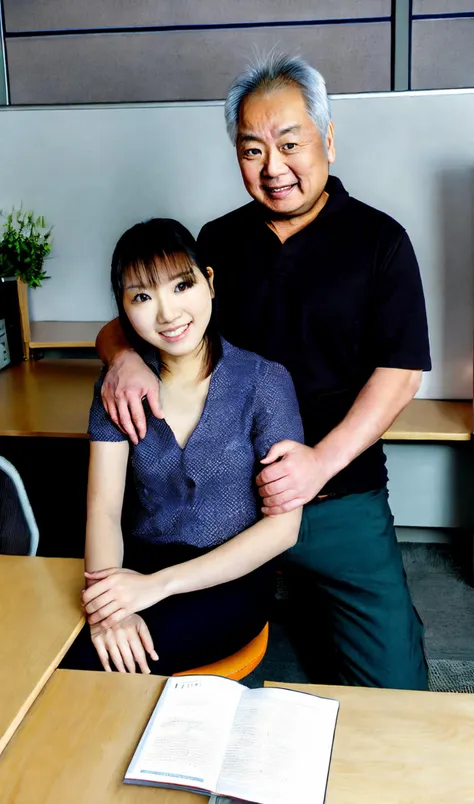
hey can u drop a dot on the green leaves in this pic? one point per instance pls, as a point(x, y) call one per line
point(24, 245)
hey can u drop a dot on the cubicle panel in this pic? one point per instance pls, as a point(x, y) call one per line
point(187, 65)
point(93, 172)
point(431, 485)
point(50, 15)
point(443, 53)
point(440, 6)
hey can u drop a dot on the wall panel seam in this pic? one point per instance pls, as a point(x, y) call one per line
point(4, 84)
point(201, 27)
point(458, 15)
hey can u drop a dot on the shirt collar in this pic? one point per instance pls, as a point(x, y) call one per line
point(338, 198)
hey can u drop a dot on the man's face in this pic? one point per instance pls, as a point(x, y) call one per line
point(281, 154)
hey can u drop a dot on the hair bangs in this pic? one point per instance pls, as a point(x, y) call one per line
point(147, 271)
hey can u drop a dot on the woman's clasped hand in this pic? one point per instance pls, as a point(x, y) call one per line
point(116, 593)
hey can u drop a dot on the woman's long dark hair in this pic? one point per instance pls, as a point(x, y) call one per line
point(145, 251)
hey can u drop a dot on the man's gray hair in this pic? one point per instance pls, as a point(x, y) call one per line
point(276, 72)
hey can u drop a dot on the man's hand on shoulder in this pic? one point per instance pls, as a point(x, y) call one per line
point(293, 475)
point(126, 383)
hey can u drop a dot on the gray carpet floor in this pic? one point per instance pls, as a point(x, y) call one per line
point(439, 580)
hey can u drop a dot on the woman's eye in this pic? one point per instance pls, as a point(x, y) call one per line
point(184, 285)
point(140, 297)
point(289, 146)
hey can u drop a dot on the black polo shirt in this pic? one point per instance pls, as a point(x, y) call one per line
point(338, 299)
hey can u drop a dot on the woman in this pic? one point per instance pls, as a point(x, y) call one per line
point(194, 557)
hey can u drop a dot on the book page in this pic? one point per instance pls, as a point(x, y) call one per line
point(279, 748)
point(185, 739)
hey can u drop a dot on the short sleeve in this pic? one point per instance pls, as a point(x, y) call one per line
point(101, 427)
point(276, 412)
point(401, 338)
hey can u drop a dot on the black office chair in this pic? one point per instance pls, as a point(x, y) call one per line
point(18, 529)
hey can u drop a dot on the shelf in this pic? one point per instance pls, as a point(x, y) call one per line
point(64, 334)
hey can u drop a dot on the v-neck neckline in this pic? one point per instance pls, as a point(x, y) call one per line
point(204, 412)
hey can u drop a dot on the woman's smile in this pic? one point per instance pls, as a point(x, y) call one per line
point(176, 334)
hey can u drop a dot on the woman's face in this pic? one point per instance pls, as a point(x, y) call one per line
point(174, 313)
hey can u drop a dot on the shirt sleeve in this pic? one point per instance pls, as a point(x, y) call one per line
point(101, 427)
point(401, 330)
point(276, 412)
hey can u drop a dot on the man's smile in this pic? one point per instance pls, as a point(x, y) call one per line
point(280, 192)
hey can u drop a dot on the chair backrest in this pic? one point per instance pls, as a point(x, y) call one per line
point(18, 529)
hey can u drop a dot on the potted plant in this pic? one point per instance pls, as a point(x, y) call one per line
point(24, 245)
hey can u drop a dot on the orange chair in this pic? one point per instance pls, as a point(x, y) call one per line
point(238, 665)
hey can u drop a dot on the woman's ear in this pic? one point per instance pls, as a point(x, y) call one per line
point(210, 279)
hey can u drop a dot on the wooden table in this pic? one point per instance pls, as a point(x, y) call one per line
point(40, 616)
point(47, 397)
point(75, 744)
point(53, 397)
point(399, 747)
point(391, 746)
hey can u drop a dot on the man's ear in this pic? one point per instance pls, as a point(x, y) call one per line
point(210, 279)
point(331, 144)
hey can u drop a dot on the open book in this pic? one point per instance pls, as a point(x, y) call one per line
point(211, 735)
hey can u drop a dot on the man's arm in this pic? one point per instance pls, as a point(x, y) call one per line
point(126, 383)
point(303, 471)
point(111, 342)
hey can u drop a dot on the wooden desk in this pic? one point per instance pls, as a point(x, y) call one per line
point(391, 747)
point(398, 747)
point(75, 744)
point(432, 420)
point(40, 616)
point(53, 397)
point(47, 397)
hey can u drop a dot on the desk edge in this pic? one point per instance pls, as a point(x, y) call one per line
point(10, 731)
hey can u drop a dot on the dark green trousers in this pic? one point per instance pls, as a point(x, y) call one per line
point(353, 619)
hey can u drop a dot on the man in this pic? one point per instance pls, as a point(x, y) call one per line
point(329, 287)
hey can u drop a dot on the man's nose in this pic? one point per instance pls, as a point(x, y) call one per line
point(274, 164)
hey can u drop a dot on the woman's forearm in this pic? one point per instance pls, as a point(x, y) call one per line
point(244, 553)
point(105, 491)
point(111, 342)
point(104, 542)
